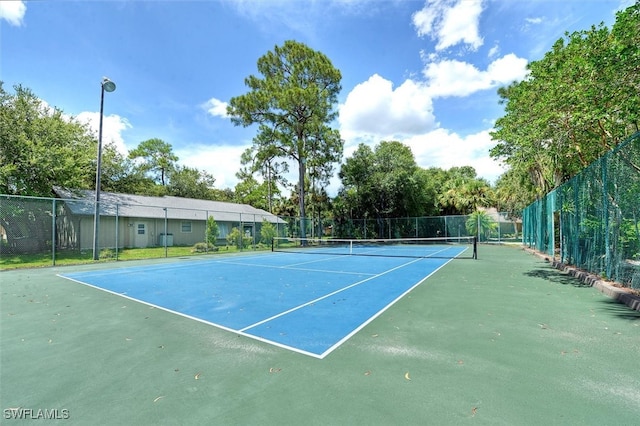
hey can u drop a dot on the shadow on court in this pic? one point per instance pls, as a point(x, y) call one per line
point(555, 276)
point(614, 308)
point(502, 340)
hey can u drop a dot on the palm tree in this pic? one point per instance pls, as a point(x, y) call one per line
point(480, 224)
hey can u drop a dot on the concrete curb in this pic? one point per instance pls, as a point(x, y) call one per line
point(619, 294)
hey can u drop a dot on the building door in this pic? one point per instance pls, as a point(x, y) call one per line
point(141, 238)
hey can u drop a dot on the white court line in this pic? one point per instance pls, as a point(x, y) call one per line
point(327, 295)
point(317, 260)
point(426, 256)
point(221, 327)
point(380, 312)
point(330, 271)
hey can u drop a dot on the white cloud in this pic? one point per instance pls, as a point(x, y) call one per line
point(216, 108)
point(445, 149)
point(375, 107)
point(440, 148)
point(375, 111)
point(425, 18)
point(494, 51)
point(453, 78)
point(506, 70)
point(534, 20)
point(450, 22)
point(112, 127)
point(12, 12)
point(221, 161)
point(457, 78)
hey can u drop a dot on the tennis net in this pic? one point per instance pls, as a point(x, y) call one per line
point(448, 248)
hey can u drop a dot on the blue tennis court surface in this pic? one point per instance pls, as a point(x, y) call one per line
point(305, 303)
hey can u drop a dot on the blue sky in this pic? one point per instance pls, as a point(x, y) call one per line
point(425, 72)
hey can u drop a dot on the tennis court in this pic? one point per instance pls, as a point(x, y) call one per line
point(502, 340)
point(309, 304)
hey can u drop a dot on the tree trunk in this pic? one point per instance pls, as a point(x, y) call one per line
point(301, 173)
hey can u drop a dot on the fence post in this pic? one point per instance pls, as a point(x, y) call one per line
point(53, 233)
point(605, 216)
point(255, 231)
point(117, 227)
point(166, 236)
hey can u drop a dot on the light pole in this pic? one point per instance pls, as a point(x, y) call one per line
point(105, 86)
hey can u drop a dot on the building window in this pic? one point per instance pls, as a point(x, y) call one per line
point(223, 230)
point(186, 227)
point(141, 229)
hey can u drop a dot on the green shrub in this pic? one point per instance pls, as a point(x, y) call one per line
point(212, 230)
point(237, 239)
point(267, 232)
point(107, 253)
point(203, 248)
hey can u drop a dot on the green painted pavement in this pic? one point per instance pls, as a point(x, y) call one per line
point(502, 340)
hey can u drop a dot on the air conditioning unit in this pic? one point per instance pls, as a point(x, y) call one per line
point(165, 240)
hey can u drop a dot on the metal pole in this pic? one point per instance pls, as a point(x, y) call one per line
point(117, 226)
point(605, 218)
point(166, 236)
point(53, 233)
point(96, 215)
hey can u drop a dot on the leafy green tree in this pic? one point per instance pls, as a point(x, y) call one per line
point(481, 225)
point(293, 104)
point(237, 239)
point(513, 192)
point(434, 179)
point(121, 174)
point(463, 192)
point(190, 182)
point(285, 206)
point(356, 175)
point(212, 230)
point(266, 163)
point(249, 191)
point(157, 158)
point(267, 232)
point(225, 194)
point(41, 148)
point(578, 102)
point(384, 182)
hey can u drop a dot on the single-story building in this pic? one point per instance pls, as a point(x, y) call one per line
point(142, 221)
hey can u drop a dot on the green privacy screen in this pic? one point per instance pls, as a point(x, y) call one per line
point(592, 220)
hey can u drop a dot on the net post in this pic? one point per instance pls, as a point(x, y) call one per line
point(475, 247)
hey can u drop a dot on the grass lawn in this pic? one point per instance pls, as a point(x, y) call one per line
point(74, 257)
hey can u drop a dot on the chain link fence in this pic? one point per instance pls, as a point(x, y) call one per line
point(51, 228)
point(55, 230)
point(593, 220)
point(488, 226)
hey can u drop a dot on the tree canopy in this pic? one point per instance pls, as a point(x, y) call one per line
point(578, 102)
point(386, 182)
point(157, 159)
point(189, 182)
point(293, 104)
point(41, 148)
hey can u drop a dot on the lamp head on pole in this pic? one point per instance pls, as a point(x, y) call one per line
point(108, 85)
